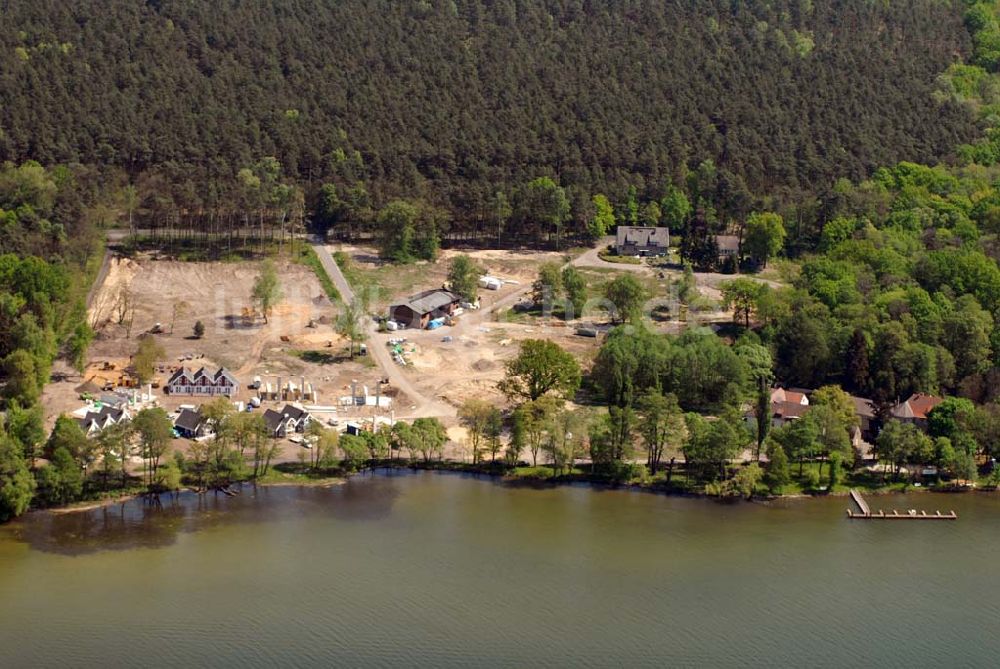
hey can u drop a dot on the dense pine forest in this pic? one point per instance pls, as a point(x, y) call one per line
point(856, 142)
point(449, 102)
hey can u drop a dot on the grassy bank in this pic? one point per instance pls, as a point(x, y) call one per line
point(307, 256)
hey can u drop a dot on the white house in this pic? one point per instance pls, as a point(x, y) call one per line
point(93, 422)
point(288, 420)
point(202, 383)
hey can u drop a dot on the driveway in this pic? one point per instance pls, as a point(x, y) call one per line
point(422, 405)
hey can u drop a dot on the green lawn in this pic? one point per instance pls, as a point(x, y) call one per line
point(608, 256)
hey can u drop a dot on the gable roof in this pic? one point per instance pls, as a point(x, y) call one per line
point(89, 422)
point(863, 407)
point(788, 410)
point(430, 300)
point(98, 420)
point(273, 420)
point(111, 412)
point(642, 236)
point(294, 412)
point(188, 420)
point(183, 373)
point(916, 407)
point(779, 395)
point(222, 372)
point(728, 243)
point(180, 372)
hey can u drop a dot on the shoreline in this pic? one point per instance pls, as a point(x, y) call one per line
point(506, 479)
point(78, 507)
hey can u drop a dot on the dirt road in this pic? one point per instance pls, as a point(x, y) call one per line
point(431, 402)
point(422, 405)
point(592, 258)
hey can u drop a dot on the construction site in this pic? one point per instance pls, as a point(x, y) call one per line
point(293, 356)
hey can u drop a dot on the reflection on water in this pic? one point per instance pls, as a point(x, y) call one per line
point(436, 570)
point(156, 521)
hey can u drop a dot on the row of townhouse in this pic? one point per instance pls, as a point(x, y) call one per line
point(202, 383)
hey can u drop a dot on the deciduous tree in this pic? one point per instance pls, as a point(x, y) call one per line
point(148, 353)
point(662, 427)
point(17, 486)
point(765, 236)
point(540, 367)
point(266, 288)
point(463, 275)
point(627, 295)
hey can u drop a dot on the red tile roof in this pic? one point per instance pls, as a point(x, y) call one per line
point(918, 406)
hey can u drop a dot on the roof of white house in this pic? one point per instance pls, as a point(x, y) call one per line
point(183, 372)
point(188, 420)
point(642, 236)
point(728, 243)
point(274, 420)
point(294, 412)
point(791, 396)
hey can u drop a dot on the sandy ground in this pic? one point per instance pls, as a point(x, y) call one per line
point(472, 362)
point(298, 340)
point(216, 294)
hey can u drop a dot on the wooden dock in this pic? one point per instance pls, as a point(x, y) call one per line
point(860, 501)
point(913, 514)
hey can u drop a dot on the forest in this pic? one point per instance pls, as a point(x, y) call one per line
point(852, 143)
point(449, 102)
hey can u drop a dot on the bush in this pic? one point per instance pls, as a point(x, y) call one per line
point(811, 480)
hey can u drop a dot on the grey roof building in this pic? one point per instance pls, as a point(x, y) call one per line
point(420, 309)
point(637, 240)
point(189, 424)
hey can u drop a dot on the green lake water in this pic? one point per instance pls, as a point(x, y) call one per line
point(437, 570)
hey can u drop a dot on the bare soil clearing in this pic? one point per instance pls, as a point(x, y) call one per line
point(297, 340)
point(454, 363)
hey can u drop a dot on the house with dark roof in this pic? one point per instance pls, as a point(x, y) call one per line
point(785, 412)
point(190, 424)
point(631, 240)
point(420, 309)
point(915, 409)
point(202, 383)
point(287, 421)
point(786, 406)
point(95, 421)
point(864, 410)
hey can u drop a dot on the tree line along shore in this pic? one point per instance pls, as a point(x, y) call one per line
point(888, 289)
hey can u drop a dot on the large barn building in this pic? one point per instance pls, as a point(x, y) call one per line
point(420, 309)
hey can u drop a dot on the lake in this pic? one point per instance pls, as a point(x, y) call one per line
point(428, 569)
